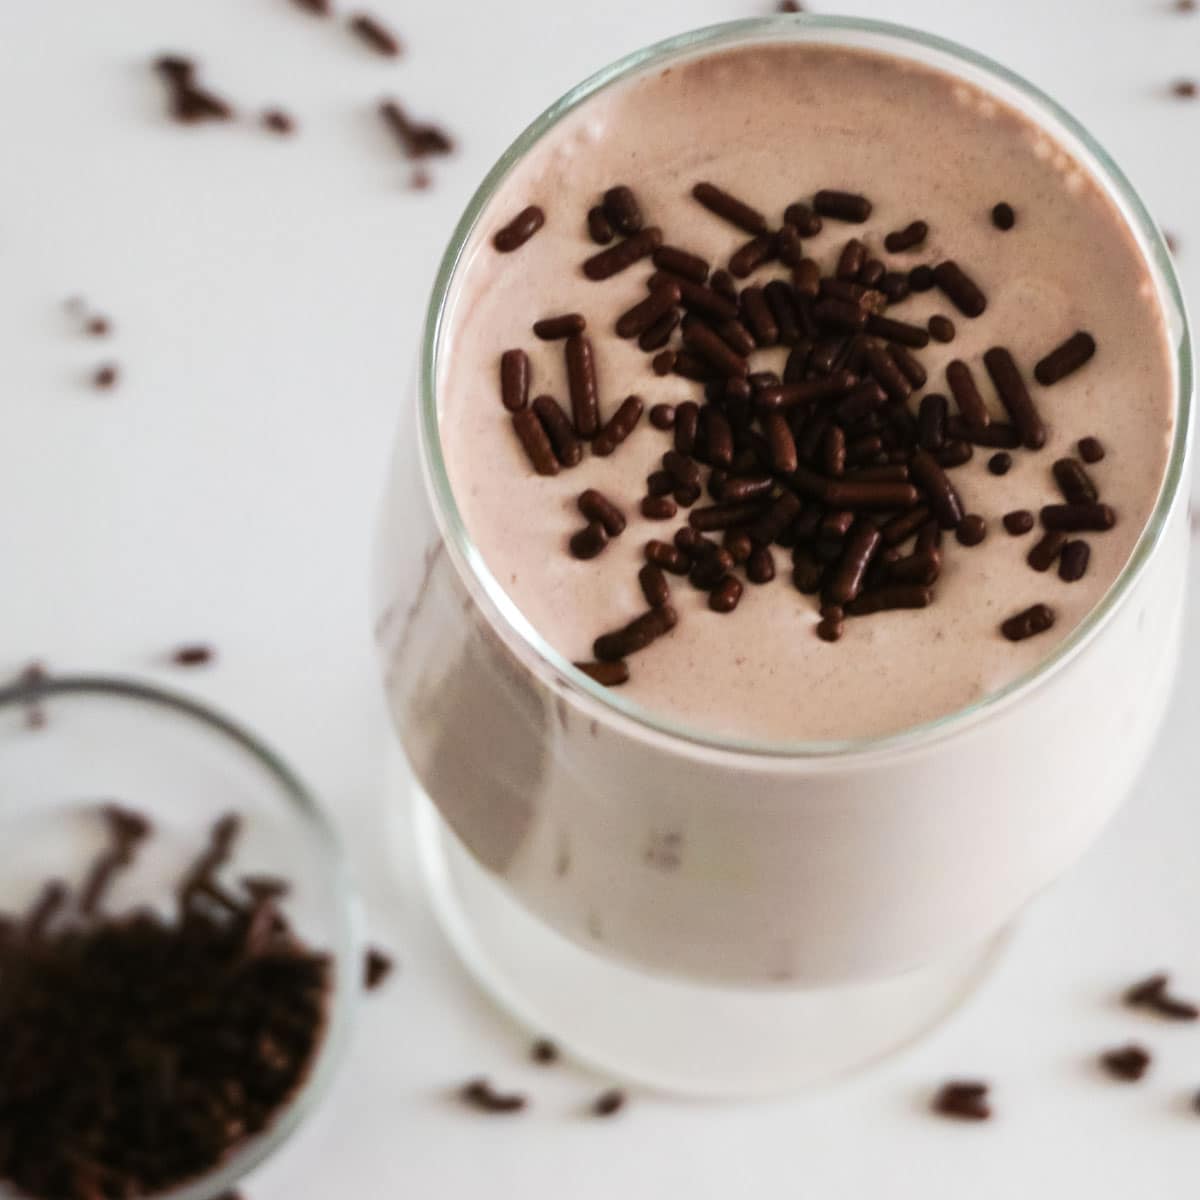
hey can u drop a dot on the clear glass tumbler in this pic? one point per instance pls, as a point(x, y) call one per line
point(719, 916)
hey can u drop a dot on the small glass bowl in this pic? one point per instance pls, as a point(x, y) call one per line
point(69, 744)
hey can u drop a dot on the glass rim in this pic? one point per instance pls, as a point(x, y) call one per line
point(347, 954)
point(502, 611)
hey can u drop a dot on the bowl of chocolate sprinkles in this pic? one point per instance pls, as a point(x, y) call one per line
point(180, 948)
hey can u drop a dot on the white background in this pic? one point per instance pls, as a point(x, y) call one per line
point(267, 295)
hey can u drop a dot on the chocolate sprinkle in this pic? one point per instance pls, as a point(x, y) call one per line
point(1029, 623)
point(376, 35)
point(1004, 217)
point(1074, 482)
point(1000, 463)
point(733, 210)
point(1045, 553)
point(609, 1103)
point(647, 313)
point(965, 1101)
point(842, 206)
point(589, 541)
point(1153, 994)
point(654, 585)
point(194, 655)
point(614, 259)
point(419, 140)
point(1091, 449)
point(906, 238)
point(557, 425)
point(599, 229)
point(607, 674)
point(1127, 1063)
point(278, 121)
point(1015, 397)
point(1073, 562)
point(1018, 522)
point(635, 636)
point(550, 329)
point(519, 230)
point(377, 966)
point(972, 529)
point(514, 379)
point(596, 506)
point(622, 210)
point(662, 416)
point(1076, 518)
point(959, 288)
point(1065, 359)
point(581, 382)
point(482, 1096)
point(189, 102)
point(681, 262)
point(533, 438)
point(941, 329)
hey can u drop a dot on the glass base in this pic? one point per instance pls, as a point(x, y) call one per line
point(671, 1035)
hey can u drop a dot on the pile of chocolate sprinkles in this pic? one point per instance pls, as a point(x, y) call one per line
point(139, 1051)
point(828, 462)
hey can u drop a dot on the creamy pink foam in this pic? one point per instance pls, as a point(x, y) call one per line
point(774, 123)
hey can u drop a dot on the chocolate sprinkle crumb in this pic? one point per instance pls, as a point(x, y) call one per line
point(1126, 1063)
point(377, 966)
point(1185, 89)
point(105, 377)
point(376, 35)
point(963, 1100)
point(1091, 449)
point(544, 1052)
point(278, 121)
point(98, 327)
point(609, 1103)
point(1001, 463)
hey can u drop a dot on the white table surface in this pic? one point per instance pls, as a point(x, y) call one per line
point(267, 295)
